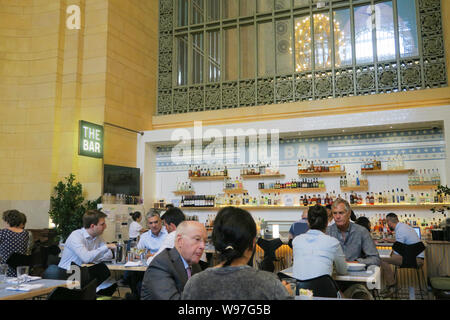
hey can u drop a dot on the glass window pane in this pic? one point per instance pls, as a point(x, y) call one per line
point(183, 12)
point(247, 52)
point(182, 57)
point(230, 8)
point(407, 28)
point(197, 11)
point(266, 60)
point(230, 39)
point(282, 4)
point(384, 19)
point(284, 46)
point(301, 3)
point(213, 7)
point(264, 6)
point(302, 44)
point(322, 41)
point(363, 34)
point(197, 57)
point(342, 38)
point(213, 56)
point(247, 8)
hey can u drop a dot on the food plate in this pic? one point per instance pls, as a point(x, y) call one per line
point(355, 266)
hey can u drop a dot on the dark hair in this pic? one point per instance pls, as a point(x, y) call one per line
point(363, 221)
point(24, 218)
point(174, 215)
point(233, 233)
point(317, 217)
point(169, 205)
point(328, 206)
point(14, 218)
point(135, 215)
point(352, 216)
point(92, 217)
point(392, 217)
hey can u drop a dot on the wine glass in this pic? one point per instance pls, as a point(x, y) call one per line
point(22, 274)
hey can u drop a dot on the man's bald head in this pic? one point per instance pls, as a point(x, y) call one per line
point(190, 240)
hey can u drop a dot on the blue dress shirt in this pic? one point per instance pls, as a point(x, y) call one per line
point(152, 242)
point(405, 234)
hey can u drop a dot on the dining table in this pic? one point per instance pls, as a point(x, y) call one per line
point(46, 287)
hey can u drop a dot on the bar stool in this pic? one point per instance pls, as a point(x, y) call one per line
point(409, 254)
point(269, 247)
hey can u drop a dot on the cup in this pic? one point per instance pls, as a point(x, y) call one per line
point(22, 274)
point(130, 256)
point(3, 272)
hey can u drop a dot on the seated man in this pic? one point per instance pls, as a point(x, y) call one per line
point(154, 237)
point(86, 246)
point(299, 227)
point(355, 240)
point(406, 235)
point(169, 271)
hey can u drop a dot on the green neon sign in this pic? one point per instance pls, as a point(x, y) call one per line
point(90, 142)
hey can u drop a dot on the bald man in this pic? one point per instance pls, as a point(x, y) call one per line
point(169, 271)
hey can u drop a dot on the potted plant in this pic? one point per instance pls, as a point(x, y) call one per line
point(67, 207)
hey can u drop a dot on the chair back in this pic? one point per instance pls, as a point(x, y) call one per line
point(86, 293)
point(322, 286)
point(269, 247)
point(98, 272)
point(18, 259)
point(409, 253)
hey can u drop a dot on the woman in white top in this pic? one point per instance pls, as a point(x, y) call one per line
point(135, 227)
point(314, 251)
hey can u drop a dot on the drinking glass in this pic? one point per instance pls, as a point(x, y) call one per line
point(3, 272)
point(22, 274)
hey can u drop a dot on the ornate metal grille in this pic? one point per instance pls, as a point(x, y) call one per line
point(289, 65)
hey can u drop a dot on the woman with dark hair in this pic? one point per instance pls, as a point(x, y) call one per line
point(135, 227)
point(234, 237)
point(314, 252)
point(13, 239)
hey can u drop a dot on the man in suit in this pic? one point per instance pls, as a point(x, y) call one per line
point(169, 271)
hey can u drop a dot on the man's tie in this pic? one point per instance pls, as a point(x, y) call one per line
point(188, 270)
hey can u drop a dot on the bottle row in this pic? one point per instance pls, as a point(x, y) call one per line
point(350, 180)
point(293, 184)
point(184, 186)
point(308, 166)
point(208, 171)
point(424, 177)
point(388, 197)
point(198, 201)
point(258, 169)
point(109, 198)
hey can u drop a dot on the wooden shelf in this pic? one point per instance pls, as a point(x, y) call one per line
point(365, 206)
point(355, 188)
point(210, 178)
point(400, 171)
point(234, 191)
point(257, 176)
point(294, 190)
point(422, 186)
point(320, 174)
point(184, 193)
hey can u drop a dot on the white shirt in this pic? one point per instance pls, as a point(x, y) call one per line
point(151, 242)
point(314, 253)
point(406, 234)
point(135, 227)
point(81, 248)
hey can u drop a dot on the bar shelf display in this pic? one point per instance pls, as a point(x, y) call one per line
point(422, 186)
point(399, 171)
point(208, 178)
point(184, 193)
point(294, 190)
point(321, 174)
point(355, 188)
point(234, 191)
point(256, 176)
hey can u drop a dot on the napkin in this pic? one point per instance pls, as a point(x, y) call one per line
point(134, 264)
point(26, 287)
point(29, 278)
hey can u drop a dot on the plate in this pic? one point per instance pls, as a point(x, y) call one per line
point(355, 266)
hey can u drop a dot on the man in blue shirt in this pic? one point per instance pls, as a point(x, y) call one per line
point(406, 235)
point(152, 239)
point(299, 227)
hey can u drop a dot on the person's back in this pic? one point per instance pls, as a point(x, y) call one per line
point(314, 253)
point(234, 283)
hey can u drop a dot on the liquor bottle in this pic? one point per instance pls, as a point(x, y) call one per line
point(367, 198)
point(372, 199)
point(402, 196)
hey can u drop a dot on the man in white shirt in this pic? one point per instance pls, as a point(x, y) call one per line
point(85, 245)
point(152, 239)
point(172, 218)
